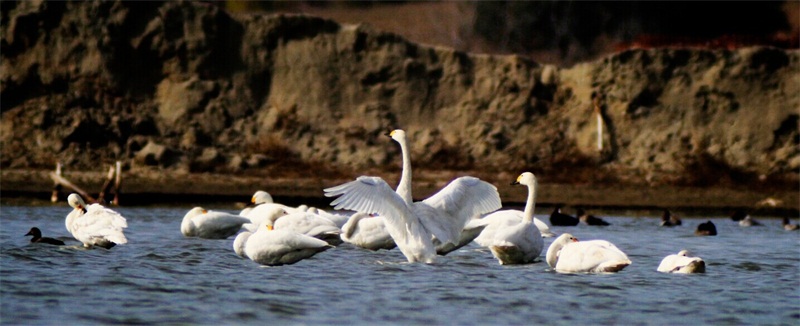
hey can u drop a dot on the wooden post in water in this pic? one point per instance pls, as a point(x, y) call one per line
point(58, 179)
point(106, 185)
point(117, 184)
point(56, 185)
point(599, 116)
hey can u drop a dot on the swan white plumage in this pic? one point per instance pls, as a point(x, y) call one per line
point(309, 224)
point(259, 197)
point(240, 241)
point(95, 225)
point(205, 224)
point(568, 255)
point(338, 219)
point(413, 225)
point(515, 240)
point(279, 247)
point(264, 212)
point(368, 232)
point(682, 263)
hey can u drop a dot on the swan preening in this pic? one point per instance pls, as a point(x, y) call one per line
point(514, 239)
point(95, 225)
point(413, 225)
point(202, 223)
point(568, 255)
point(682, 263)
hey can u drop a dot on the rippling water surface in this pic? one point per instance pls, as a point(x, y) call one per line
point(753, 277)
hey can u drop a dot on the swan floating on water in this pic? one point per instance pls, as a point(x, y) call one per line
point(411, 224)
point(37, 237)
point(95, 225)
point(568, 255)
point(682, 263)
point(259, 197)
point(368, 232)
point(511, 239)
point(205, 224)
point(308, 224)
point(277, 247)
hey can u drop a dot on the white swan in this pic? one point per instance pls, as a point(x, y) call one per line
point(500, 219)
point(413, 225)
point(309, 224)
point(682, 263)
point(568, 255)
point(240, 241)
point(513, 240)
point(368, 232)
point(259, 197)
point(202, 223)
point(338, 219)
point(468, 234)
point(260, 214)
point(95, 225)
point(280, 247)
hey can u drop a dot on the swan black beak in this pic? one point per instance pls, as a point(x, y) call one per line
point(515, 183)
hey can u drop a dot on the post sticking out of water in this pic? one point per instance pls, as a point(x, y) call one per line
point(56, 185)
point(117, 183)
point(106, 185)
point(59, 180)
point(599, 116)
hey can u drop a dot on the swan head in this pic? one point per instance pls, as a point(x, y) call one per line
point(398, 135)
point(76, 201)
point(685, 253)
point(261, 197)
point(195, 211)
point(526, 178)
point(555, 248)
point(273, 215)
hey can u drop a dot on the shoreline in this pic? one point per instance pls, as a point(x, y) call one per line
point(170, 188)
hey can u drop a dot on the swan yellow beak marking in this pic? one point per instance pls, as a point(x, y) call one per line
point(392, 133)
point(253, 199)
point(205, 211)
point(269, 227)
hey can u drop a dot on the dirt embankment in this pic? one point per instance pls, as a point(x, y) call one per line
point(183, 88)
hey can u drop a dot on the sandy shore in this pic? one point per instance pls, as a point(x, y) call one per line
point(169, 188)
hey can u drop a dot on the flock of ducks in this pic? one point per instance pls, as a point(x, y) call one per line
point(465, 210)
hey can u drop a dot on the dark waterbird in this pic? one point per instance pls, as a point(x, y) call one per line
point(744, 219)
point(590, 219)
point(788, 226)
point(667, 219)
point(37, 237)
point(557, 218)
point(707, 228)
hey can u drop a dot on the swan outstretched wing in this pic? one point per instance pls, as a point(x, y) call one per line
point(461, 200)
point(368, 195)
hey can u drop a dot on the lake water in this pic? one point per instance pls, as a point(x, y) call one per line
point(160, 277)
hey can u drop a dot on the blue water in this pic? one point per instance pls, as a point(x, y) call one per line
point(160, 277)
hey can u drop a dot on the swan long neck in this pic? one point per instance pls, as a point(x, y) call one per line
point(552, 253)
point(530, 205)
point(404, 186)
